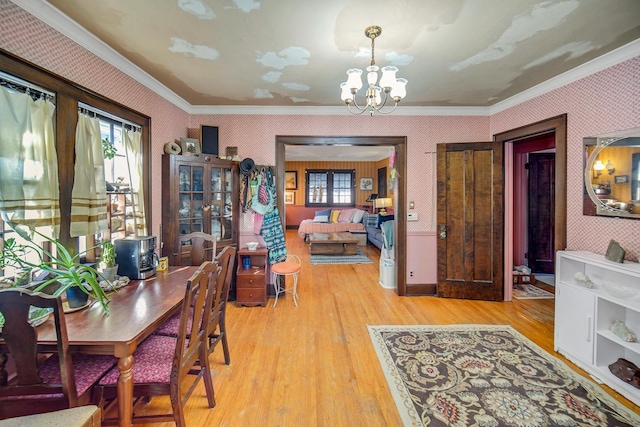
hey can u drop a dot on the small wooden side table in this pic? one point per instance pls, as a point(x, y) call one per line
point(251, 282)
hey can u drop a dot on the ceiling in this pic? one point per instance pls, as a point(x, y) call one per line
point(290, 56)
point(293, 53)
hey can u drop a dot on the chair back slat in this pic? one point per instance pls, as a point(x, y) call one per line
point(201, 247)
point(21, 339)
point(220, 294)
point(190, 346)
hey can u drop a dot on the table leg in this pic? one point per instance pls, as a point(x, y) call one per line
point(125, 391)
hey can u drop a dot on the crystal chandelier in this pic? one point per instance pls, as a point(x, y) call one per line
point(389, 84)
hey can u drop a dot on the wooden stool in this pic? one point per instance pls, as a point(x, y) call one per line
point(290, 267)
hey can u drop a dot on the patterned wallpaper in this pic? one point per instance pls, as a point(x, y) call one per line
point(602, 102)
point(255, 137)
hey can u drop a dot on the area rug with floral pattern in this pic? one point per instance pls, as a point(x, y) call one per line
point(487, 375)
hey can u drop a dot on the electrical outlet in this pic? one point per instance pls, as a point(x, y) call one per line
point(411, 274)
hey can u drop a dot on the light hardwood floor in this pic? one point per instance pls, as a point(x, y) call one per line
point(314, 365)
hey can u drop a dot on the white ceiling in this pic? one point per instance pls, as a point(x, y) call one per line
point(290, 56)
point(294, 53)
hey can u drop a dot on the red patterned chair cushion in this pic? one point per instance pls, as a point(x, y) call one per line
point(88, 369)
point(151, 362)
point(171, 326)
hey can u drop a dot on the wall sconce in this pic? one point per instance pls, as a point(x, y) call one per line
point(610, 167)
point(382, 204)
point(598, 167)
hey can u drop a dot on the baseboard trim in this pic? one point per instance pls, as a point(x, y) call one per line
point(420, 289)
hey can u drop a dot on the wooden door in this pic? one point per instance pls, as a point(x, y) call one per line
point(470, 221)
point(540, 252)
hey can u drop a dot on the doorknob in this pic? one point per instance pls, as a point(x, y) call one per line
point(443, 231)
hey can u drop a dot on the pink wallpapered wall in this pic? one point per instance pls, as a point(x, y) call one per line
point(600, 103)
point(254, 135)
point(603, 102)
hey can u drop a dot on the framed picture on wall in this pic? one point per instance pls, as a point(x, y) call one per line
point(289, 198)
point(621, 179)
point(291, 180)
point(366, 183)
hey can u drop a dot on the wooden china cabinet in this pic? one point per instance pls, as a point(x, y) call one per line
point(199, 193)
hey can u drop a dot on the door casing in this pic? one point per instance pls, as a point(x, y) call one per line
point(399, 143)
point(558, 125)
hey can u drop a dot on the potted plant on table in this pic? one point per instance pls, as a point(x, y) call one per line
point(60, 266)
point(108, 266)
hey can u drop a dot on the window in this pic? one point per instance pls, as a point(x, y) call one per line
point(67, 96)
point(330, 187)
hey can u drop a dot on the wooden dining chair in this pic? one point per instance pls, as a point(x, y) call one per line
point(63, 380)
point(196, 248)
point(215, 320)
point(162, 364)
point(217, 299)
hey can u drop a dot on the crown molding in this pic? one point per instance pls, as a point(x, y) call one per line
point(333, 111)
point(60, 22)
point(616, 56)
point(53, 17)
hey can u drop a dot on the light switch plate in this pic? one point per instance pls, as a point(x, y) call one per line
point(412, 216)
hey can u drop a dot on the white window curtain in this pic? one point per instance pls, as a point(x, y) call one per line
point(133, 149)
point(89, 194)
point(29, 192)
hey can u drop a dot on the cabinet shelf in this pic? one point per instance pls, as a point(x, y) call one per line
point(606, 334)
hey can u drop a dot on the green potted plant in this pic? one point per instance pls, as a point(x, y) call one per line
point(108, 266)
point(60, 265)
point(13, 255)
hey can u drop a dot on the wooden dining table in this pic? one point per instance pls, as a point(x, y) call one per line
point(135, 312)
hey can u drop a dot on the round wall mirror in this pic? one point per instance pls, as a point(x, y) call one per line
point(612, 174)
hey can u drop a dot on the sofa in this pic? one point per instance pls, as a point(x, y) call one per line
point(372, 226)
point(332, 221)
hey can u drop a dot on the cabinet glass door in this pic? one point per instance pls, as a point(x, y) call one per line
point(221, 204)
point(191, 196)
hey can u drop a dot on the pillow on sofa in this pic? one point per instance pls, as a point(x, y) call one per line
point(335, 214)
point(357, 216)
point(322, 216)
point(346, 215)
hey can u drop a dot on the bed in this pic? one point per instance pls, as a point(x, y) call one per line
point(307, 226)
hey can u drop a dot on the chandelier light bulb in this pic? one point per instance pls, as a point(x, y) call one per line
point(354, 79)
point(388, 79)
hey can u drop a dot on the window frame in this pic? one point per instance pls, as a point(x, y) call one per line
point(330, 188)
point(68, 96)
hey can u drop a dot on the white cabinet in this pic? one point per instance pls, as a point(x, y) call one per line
point(584, 316)
point(574, 325)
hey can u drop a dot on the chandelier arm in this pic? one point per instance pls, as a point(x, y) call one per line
point(355, 103)
point(388, 112)
point(357, 113)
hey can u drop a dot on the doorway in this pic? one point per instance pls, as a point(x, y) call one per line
point(558, 126)
point(399, 143)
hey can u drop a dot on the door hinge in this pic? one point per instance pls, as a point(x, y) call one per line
point(526, 165)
